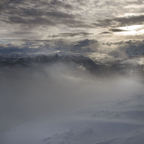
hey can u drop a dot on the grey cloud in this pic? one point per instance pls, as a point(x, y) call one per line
point(122, 21)
point(23, 33)
point(35, 21)
point(34, 12)
point(106, 32)
point(128, 42)
point(76, 23)
point(4, 7)
point(103, 23)
point(58, 14)
point(61, 4)
point(50, 14)
point(130, 20)
point(71, 34)
point(134, 48)
point(139, 2)
point(7, 5)
point(84, 46)
point(6, 2)
point(68, 17)
point(24, 48)
point(27, 7)
point(130, 48)
point(85, 42)
point(52, 21)
point(13, 50)
point(22, 8)
point(117, 30)
point(53, 4)
point(42, 17)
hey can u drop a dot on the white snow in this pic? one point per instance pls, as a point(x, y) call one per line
point(117, 122)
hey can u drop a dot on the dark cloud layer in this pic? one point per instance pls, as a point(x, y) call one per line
point(117, 30)
point(106, 33)
point(17, 12)
point(133, 20)
point(121, 21)
point(71, 34)
point(21, 12)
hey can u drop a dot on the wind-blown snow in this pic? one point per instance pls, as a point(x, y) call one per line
point(63, 105)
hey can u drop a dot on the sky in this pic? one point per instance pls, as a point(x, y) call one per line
point(100, 29)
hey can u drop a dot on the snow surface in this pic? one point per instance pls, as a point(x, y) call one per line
point(115, 122)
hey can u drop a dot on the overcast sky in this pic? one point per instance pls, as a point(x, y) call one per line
point(99, 28)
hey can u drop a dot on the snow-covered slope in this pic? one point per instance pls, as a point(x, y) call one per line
point(117, 122)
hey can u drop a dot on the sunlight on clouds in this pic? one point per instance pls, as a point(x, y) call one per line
point(141, 32)
point(99, 56)
point(131, 30)
point(129, 15)
point(141, 61)
point(132, 27)
point(134, 6)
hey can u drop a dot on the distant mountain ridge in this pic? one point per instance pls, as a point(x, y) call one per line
point(77, 60)
point(45, 59)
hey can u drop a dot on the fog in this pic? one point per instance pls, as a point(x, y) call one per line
point(44, 91)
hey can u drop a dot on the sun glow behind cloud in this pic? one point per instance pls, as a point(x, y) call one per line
point(132, 27)
point(131, 30)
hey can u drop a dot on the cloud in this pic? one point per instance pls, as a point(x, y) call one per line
point(71, 21)
point(108, 51)
point(71, 34)
point(113, 50)
point(106, 32)
point(24, 48)
point(117, 30)
point(126, 49)
point(46, 14)
point(35, 17)
point(133, 20)
point(85, 42)
point(82, 46)
point(61, 4)
point(121, 21)
point(64, 46)
point(31, 22)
